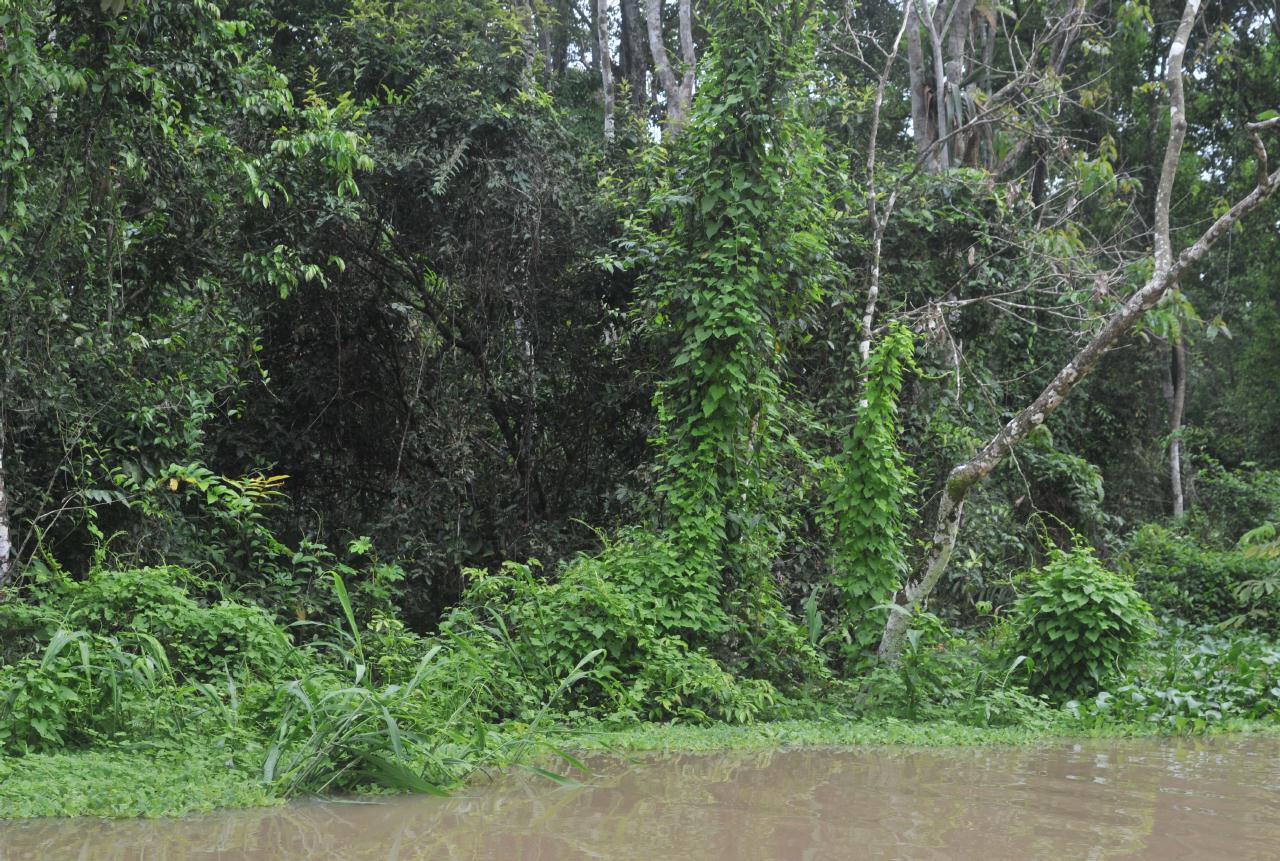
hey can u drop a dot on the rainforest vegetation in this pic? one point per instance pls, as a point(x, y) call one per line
point(395, 388)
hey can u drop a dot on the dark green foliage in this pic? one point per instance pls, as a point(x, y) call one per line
point(1079, 625)
point(276, 276)
point(1193, 678)
point(1231, 502)
point(165, 175)
point(1182, 576)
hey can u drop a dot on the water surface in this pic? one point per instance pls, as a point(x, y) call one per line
point(1167, 800)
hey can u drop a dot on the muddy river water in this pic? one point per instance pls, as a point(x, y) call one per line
point(1201, 799)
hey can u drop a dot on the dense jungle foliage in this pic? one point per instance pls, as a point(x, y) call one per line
point(394, 389)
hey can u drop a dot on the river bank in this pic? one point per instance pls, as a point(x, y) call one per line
point(176, 781)
point(1147, 798)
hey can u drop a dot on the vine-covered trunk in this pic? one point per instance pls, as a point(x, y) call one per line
point(734, 262)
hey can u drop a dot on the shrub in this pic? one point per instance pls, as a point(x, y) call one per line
point(126, 654)
point(1196, 677)
point(202, 641)
point(1186, 579)
point(624, 602)
point(1229, 502)
point(942, 676)
point(1079, 624)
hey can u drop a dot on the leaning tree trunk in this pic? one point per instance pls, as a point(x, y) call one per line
point(1167, 271)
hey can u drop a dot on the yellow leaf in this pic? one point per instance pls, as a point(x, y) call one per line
point(173, 485)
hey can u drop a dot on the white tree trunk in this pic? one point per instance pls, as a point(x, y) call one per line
point(606, 66)
point(1177, 407)
point(679, 93)
point(1166, 273)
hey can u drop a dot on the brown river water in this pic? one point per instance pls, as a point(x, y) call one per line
point(1202, 799)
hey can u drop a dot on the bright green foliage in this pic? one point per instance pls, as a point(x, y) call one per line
point(1079, 625)
point(119, 653)
point(623, 606)
point(944, 676)
point(745, 239)
point(867, 497)
point(193, 778)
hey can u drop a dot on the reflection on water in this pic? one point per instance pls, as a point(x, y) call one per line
point(1202, 799)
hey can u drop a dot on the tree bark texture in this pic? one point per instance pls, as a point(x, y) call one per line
point(678, 91)
point(634, 53)
point(7, 560)
point(1177, 407)
point(606, 65)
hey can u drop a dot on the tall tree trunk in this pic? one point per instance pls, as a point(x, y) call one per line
point(1167, 271)
point(1177, 406)
point(561, 30)
point(634, 53)
point(956, 30)
point(933, 26)
point(678, 92)
point(529, 38)
point(687, 57)
point(606, 65)
point(921, 122)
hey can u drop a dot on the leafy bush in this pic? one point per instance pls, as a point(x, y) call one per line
point(202, 641)
point(1079, 625)
point(1191, 581)
point(124, 654)
point(941, 675)
point(624, 603)
point(1229, 502)
point(1194, 678)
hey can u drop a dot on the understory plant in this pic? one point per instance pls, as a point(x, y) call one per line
point(624, 606)
point(1193, 678)
point(1079, 625)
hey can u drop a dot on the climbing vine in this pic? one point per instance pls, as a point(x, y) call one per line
point(868, 497)
point(743, 234)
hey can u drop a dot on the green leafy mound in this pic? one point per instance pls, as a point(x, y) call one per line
point(124, 653)
point(650, 642)
point(1188, 579)
point(1080, 625)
